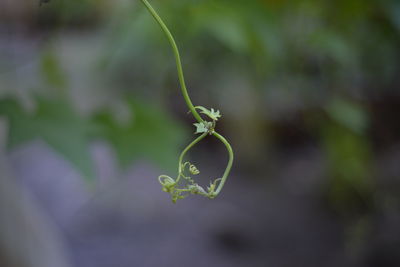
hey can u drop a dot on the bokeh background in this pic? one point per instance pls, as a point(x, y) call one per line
point(91, 113)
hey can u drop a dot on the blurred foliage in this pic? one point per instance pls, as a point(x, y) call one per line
point(349, 155)
point(288, 77)
point(261, 62)
point(149, 134)
point(54, 122)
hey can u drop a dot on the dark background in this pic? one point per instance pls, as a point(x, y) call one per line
point(91, 113)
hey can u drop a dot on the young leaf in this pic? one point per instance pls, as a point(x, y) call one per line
point(212, 114)
point(200, 128)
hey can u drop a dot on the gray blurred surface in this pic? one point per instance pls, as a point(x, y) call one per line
point(125, 219)
point(28, 236)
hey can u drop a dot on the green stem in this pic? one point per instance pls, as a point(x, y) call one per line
point(177, 59)
point(189, 103)
point(195, 141)
point(230, 162)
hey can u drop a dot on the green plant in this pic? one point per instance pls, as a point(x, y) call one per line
point(184, 185)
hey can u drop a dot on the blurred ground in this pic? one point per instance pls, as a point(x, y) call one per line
point(126, 221)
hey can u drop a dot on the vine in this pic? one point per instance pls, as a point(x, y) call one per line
point(184, 185)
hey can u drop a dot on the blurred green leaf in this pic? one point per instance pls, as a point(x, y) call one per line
point(349, 114)
point(332, 45)
point(56, 123)
point(149, 134)
point(51, 70)
point(224, 24)
point(349, 161)
point(392, 9)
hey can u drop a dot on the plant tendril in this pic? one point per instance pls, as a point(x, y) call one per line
point(184, 185)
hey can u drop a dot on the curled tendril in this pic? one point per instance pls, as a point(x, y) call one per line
point(184, 185)
point(171, 186)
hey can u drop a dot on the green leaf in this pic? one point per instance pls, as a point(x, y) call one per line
point(203, 127)
point(224, 24)
point(54, 122)
point(150, 134)
point(52, 71)
point(212, 114)
point(200, 127)
point(349, 114)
